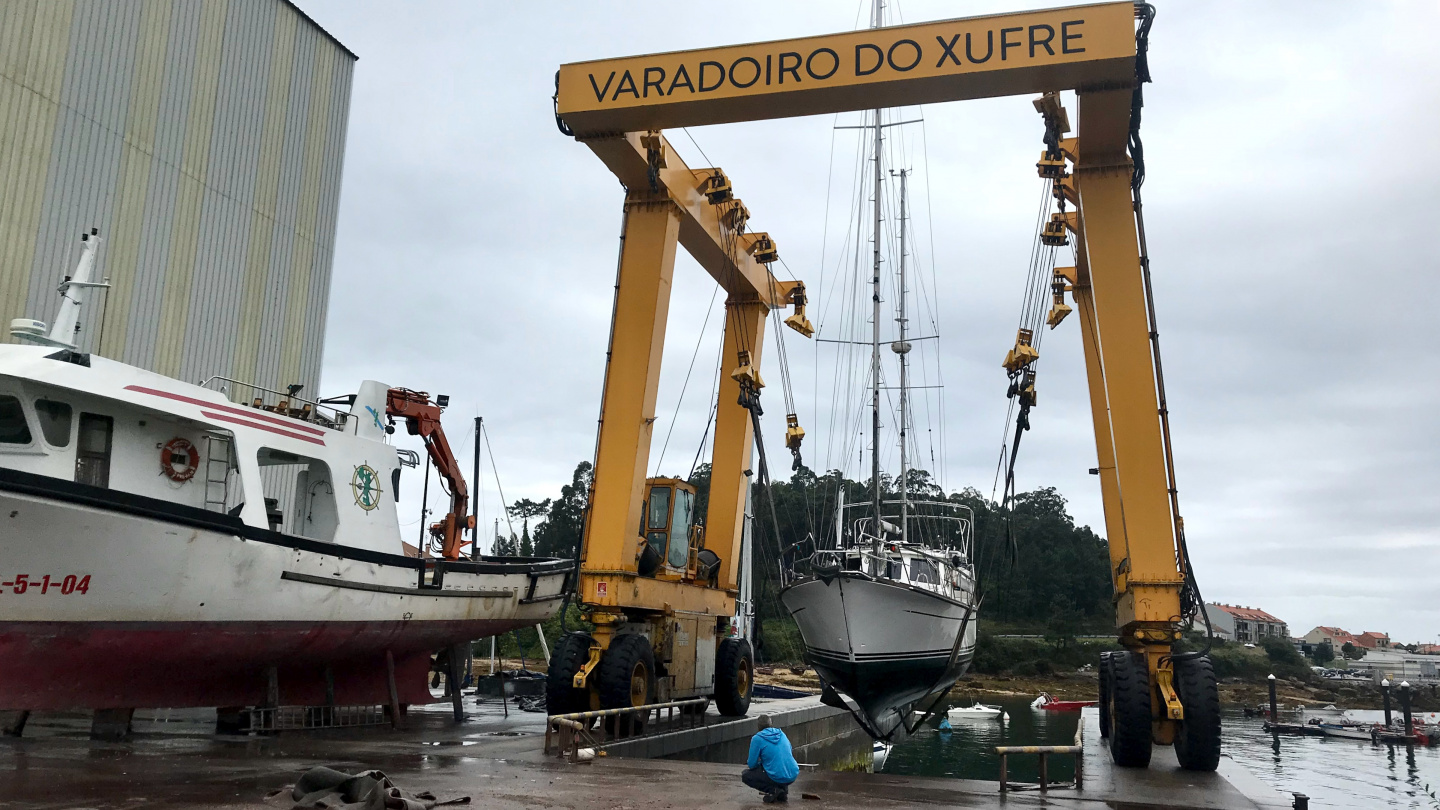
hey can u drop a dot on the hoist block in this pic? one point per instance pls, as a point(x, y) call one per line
point(1057, 312)
point(801, 324)
point(794, 434)
point(654, 144)
point(736, 216)
point(1051, 166)
point(763, 249)
point(1054, 233)
point(716, 187)
point(747, 372)
point(1023, 354)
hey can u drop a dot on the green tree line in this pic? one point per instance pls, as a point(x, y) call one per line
point(1039, 572)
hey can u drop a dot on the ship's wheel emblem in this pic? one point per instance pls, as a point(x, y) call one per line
point(365, 485)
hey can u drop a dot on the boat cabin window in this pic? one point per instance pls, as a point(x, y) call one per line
point(924, 571)
point(300, 494)
point(679, 554)
point(14, 429)
point(92, 456)
point(55, 418)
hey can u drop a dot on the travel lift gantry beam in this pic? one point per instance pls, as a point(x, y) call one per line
point(1149, 695)
point(662, 602)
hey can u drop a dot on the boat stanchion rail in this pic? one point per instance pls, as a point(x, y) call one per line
point(1044, 752)
point(576, 730)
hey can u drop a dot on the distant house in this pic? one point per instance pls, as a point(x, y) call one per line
point(1332, 637)
point(1427, 649)
point(1373, 641)
point(1398, 665)
point(1246, 625)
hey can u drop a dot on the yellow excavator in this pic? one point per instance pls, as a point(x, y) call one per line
point(1150, 694)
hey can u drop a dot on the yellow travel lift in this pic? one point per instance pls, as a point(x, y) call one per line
point(661, 625)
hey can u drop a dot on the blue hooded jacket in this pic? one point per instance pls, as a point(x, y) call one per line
point(771, 749)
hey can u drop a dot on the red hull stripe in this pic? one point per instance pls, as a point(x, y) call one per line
point(250, 413)
point(220, 417)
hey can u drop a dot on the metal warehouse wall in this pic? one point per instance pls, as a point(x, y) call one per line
point(205, 139)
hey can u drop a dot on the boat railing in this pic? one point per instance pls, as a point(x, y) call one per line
point(1077, 750)
point(578, 737)
point(964, 520)
point(278, 402)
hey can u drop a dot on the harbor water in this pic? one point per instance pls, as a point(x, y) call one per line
point(1333, 772)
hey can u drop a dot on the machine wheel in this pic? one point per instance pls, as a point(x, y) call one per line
point(734, 677)
point(1197, 741)
point(1129, 710)
point(1105, 694)
point(627, 679)
point(570, 654)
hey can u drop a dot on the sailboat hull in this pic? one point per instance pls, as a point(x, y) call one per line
point(883, 644)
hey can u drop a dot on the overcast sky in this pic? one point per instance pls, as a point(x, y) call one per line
point(1289, 153)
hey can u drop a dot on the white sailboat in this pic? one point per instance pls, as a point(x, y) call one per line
point(887, 613)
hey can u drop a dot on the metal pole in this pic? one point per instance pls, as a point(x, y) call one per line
point(1385, 693)
point(903, 348)
point(544, 648)
point(424, 505)
point(1273, 709)
point(475, 530)
point(1405, 708)
point(875, 339)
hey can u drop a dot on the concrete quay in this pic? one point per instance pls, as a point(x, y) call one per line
point(174, 760)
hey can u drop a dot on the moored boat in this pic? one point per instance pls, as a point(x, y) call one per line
point(979, 711)
point(1046, 702)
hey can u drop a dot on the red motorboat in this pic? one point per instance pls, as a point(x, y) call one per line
point(1050, 704)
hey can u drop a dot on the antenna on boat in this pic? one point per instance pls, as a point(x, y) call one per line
point(72, 297)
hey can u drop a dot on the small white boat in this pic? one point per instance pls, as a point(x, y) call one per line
point(1347, 731)
point(977, 712)
point(879, 751)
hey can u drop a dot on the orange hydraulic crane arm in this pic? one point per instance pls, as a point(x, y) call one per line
point(422, 418)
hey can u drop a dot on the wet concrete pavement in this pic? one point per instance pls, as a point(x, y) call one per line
point(499, 763)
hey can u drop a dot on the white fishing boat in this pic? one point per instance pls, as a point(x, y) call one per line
point(979, 711)
point(168, 544)
point(879, 752)
point(1348, 731)
point(886, 608)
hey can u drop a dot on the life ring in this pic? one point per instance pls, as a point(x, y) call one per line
point(179, 460)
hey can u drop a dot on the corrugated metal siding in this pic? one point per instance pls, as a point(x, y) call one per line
point(205, 139)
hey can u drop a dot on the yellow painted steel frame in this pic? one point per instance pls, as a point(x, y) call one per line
point(1089, 49)
point(674, 211)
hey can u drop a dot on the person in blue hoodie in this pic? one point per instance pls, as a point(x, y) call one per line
point(771, 768)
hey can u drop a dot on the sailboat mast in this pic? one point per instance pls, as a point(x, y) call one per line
point(903, 348)
point(878, 7)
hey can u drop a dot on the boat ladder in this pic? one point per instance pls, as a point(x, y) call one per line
point(217, 471)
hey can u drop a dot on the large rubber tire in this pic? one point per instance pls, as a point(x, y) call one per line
point(626, 679)
point(569, 655)
point(1129, 710)
point(1197, 741)
point(1105, 694)
point(734, 677)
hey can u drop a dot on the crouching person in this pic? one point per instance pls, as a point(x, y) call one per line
point(771, 767)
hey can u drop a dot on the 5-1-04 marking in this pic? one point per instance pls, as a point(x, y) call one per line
point(66, 585)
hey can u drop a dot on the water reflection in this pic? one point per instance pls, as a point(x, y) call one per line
point(968, 751)
point(1335, 773)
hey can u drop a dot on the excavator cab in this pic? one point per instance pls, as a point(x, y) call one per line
point(671, 536)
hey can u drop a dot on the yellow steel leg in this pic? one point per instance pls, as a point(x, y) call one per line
point(642, 303)
point(734, 439)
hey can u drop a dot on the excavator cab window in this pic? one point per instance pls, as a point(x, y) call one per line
point(679, 554)
point(657, 520)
